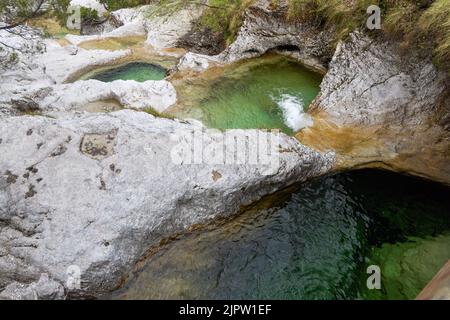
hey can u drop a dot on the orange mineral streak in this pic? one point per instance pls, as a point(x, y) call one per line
point(419, 151)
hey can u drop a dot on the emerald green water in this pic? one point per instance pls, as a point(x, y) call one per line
point(271, 92)
point(313, 242)
point(138, 71)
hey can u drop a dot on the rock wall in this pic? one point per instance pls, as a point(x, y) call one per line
point(267, 27)
point(164, 30)
point(379, 107)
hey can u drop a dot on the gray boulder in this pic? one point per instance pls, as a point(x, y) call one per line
point(383, 108)
point(92, 193)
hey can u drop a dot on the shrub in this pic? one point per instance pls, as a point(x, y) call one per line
point(60, 9)
point(419, 23)
point(225, 16)
point(435, 25)
point(112, 5)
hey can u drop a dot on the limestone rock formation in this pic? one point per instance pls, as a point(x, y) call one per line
point(158, 95)
point(164, 29)
point(381, 108)
point(267, 28)
point(96, 191)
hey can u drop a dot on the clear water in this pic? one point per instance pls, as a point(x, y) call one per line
point(139, 71)
point(313, 242)
point(271, 92)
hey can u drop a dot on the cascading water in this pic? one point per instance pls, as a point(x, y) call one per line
point(294, 114)
point(271, 92)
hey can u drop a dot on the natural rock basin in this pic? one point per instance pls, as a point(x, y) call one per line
point(138, 71)
point(264, 93)
point(314, 243)
point(121, 43)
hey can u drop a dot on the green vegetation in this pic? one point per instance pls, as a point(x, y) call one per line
point(436, 23)
point(51, 27)
point(167, 7)
point(420, 23)
point(423, 24)
point(225, 16)
point(158, 114)
point(18, 12)
point(60, 9)
point(112, 5)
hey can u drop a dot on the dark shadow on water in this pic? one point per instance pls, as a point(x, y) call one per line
point(313, 243)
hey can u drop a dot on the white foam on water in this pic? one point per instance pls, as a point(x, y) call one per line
point(293, 114)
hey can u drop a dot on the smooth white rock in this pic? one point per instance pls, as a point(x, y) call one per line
point(66, 201)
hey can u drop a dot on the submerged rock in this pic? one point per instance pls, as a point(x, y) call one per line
point(94, 192)
point(202, 41)
point(90, 4)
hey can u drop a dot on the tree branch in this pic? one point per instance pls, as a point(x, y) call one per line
point(33, 14)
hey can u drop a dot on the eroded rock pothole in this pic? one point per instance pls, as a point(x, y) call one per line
point(99, 146)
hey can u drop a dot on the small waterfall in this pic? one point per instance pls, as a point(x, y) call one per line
point(293, 112)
